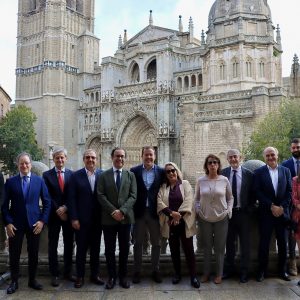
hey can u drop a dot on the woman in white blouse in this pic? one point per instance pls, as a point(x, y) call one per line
point(213, 200)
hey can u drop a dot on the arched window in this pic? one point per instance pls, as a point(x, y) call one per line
point(186, 82)
point(193, 80)
point(248, 68)
point(179, 83)
point(222, 71)
point(261, 68)
point(200, 80)
point(151, 70)
point(235, 69)
point(135, 73)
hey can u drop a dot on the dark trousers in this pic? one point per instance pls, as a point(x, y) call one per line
point(177, 234)
point(88, 237)
point(268, 223)
point(54, 226)
point(15, 248)
point(238, 228)
point(110, 236)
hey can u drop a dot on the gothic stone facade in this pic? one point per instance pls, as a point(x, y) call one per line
point(163, 87)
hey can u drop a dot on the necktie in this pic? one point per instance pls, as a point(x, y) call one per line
point(60, 180)
point(234, 188)
point(25, 186)
point(298, 166)
point(118, 179)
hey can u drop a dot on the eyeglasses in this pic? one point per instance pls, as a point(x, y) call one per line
point(212, 162)
point(90, 157)
point(171, 171)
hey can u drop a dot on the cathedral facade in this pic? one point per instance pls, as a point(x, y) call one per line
point(184, 95)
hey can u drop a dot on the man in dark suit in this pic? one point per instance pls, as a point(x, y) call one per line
point(22, 216)
point(116, 191)
point(272, 184)
point(84, 213)
point(241, 180)
point(1, 188)
point(149, 178)
point(293, 164)
point(57, 180)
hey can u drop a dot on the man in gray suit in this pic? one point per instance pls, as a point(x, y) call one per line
point(241, 180)
point(116, 192)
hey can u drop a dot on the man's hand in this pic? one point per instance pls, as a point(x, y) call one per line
point(118, 215)
point(176, 216)
point(277, 211)
point(38, 227)
point(10, 230)
point(61, 212)
point(76, 224)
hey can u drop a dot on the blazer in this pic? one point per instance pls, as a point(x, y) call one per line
point(187, 206)
point(58, 198)
point(142, 192)
point(110, 199)
point(265, 193)
point(23, 212)
point(82, 201)
point(1, 188)
point(289, 163)
point(247, 198)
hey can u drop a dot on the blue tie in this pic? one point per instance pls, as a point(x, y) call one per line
point(118, 179)
point(25, 186)
point(298, 166)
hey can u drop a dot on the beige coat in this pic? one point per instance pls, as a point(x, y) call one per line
point(187, 206)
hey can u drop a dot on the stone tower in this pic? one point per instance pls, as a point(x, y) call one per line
point(57, 58)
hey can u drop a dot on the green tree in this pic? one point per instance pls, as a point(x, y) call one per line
point(276, 129)
point(17, 135)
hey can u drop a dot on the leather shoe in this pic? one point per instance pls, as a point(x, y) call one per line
point(12, 287)
point(176, 279)
point(124, 283)
point(136, 277)
point(156, 277)
point(260, 277)
point(110, 283)
point(78, 282)
point(243, 278)
point(195, 282)
point(54, 281)
point(218, 280)
point(35, 285)
point(285, 277)
point(97, 280)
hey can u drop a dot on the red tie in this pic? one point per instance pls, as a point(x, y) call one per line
point(60, 180)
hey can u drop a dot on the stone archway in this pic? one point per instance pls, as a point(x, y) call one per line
point(94, 142)
point(137, 133)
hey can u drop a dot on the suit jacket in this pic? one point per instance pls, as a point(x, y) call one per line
point(82, 201)
point(23, 212)
point(110, 199)
point(289, 163)
point(265, 193)
point(143, 193)
point(58, 198)
point(246, 196)
point(1, 188)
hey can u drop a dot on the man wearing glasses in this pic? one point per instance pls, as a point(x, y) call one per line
point(272, 184)
point(85, 217)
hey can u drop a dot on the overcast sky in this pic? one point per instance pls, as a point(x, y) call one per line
point(113, 16)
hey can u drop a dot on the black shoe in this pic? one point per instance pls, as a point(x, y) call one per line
point(298, 283)
point(35, 285)
point(260, 277)
point(176, 279)
point(54, 281)
point(195, 282)
point(243, 278)
point(227, 275)
point(97, 280)
point(285, 277)
point(12, 287)
point(79, 282)
point(156, 277)
point(136, 277)
point(110, 283)
point(124, 283)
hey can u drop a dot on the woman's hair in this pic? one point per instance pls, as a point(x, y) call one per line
point(214, 157)
point(179, 173)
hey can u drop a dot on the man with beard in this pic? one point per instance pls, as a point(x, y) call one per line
point(293, 163)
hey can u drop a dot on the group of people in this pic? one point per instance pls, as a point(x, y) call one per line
point(150, 200)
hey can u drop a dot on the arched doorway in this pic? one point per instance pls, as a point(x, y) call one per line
point(137, 133)
point(94, 142)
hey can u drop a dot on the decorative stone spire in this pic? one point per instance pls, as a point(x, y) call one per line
point(278, 36)
point(120, 42)
point(202, 37)
point(295, 65)
point(150, 18)
point(125, 36)
point(180, 27)
point(191, 29)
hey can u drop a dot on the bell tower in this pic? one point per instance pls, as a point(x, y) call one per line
point(57, 53)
